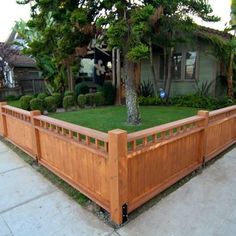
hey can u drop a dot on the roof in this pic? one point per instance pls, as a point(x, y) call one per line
point(19, 60)
point(222, 34)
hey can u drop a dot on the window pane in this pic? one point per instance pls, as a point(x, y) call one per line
point(190, 67)
point(176, 66)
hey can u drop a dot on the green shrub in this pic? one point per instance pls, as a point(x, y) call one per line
point(99, 99)
point(90, 99)
point(81, 88)
point(108, 93)
point(81, 100)
point(36, 104)
point(25, 102)
point(11, 98)
point(50, 104)
point(69, 93)
point(68, 102)
point(152, 101)
point(58, 99)
point(42, 96)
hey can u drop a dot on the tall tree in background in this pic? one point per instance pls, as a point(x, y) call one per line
point(64, 29)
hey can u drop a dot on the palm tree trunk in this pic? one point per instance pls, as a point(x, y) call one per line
point(169, 74)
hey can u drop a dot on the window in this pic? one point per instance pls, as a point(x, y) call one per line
point(190, 65)
point(184, 66)
point(176, 66)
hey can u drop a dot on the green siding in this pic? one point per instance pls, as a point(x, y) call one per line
point(206, 72)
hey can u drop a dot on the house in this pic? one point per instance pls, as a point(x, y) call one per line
point(19, 73)
point(193, 64)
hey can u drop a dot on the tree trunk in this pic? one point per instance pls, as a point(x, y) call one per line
point(133, 114)
point(70, 78)
point(169, 75)
point(155, 85)
point(230, 76)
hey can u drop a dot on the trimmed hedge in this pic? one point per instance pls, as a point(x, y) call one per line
point(152, 101)
point(99, 99)
point(90, 99)
point(109, 93)
point(42, 96)
point(58, 98)
point(25, 102)
point(50, 104)
point(68, 102)
point(37, 104)
point(81, 88)
point(81, 100)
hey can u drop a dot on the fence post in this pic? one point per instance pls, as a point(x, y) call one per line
point(118, 175)
point(3, 120)
point(205, 115)
point(36, 140)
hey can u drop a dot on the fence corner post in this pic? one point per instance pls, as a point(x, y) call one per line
point(118, 175)
point(36, 140)
point(3, 120)
point(205, 115)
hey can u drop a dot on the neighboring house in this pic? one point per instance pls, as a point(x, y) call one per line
point(193, 64)
point(21, 75)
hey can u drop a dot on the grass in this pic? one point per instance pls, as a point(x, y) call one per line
point(109, 118)
point(15, 103)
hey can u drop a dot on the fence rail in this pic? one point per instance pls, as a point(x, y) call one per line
point(120, 171)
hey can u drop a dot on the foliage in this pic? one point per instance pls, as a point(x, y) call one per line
point(50, 104)
point(81, 100)
point(90, 99)
point(25, 102)
point(58, 99)
point(108, 91)
point(81, 88)
point(69, 93)
point(99, 99)
point(151, 101)
point(36, 104)
point(146, 89)
point(42, 96)
point(68, 102)
point(11, 98)
point(203, 89)
point(199, 101)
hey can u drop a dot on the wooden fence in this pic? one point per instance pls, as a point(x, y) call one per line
point(120, 171)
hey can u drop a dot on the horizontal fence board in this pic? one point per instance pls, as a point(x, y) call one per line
point(85, 168)
point(147, 171)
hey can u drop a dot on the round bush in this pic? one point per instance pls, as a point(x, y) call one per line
point(25, 102)
point(58, 99)
point(50, 104)
point(69, 93)
point(108, 93)
point(81, 88)
point(99, 99)
point(68, 102)
point(81, 100)
point(42, 96)
point(36, 104)
point(90, 99)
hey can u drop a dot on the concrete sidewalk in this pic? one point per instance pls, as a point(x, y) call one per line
point(30, 205)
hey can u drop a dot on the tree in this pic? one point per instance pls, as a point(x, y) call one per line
point(136, 26)
point(61, 30)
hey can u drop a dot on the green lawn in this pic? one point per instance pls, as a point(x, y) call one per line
point(108, 118)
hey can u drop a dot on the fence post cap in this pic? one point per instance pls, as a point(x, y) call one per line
point(117, 131)
point(35, 113)
point(203, 113)
point(3, 104)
